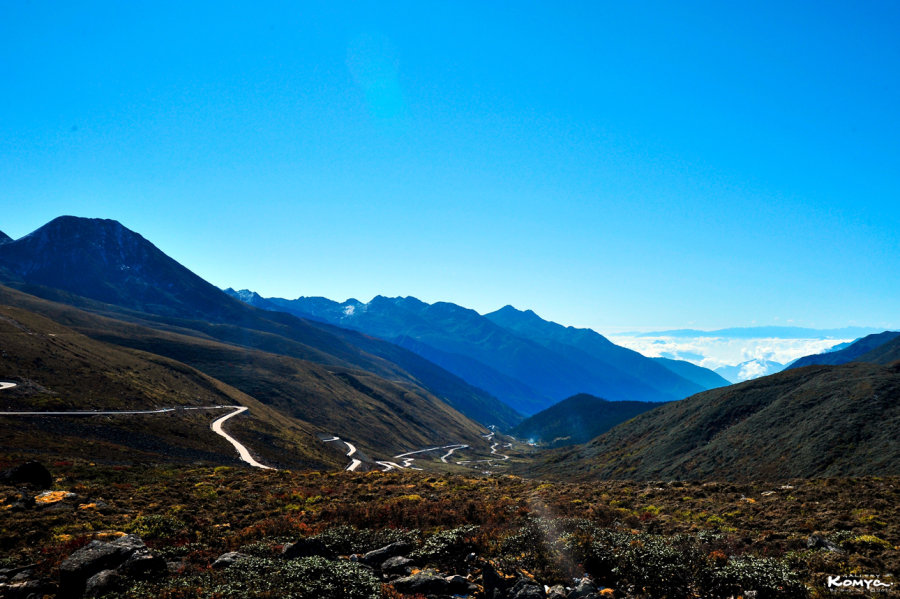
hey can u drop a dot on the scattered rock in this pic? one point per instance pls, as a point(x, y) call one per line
point(525, 588)
point(584, 588)
point(557, 592)
point(228, 559)
point(30, 473)
point(96, 556)
point(820, 542)
point(396, 565)
point(27, 589)
point(102, 583)
point(426, 582)
point(378, 556)
point(459, 585)
point(307, 548)
point(143, 563)
point(493, 583)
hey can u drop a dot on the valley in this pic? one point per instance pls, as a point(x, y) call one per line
point(506, 456)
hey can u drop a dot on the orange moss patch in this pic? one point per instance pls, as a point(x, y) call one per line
point(51, 496)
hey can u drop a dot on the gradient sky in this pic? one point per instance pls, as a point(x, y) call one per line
point(618, 165)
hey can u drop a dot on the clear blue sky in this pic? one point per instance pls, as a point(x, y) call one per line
point(618, 165)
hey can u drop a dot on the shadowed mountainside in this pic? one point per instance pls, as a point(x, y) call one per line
point(56, 368)
point(578, 419)
point(382, 416)
point(807, 422)
point(861, 350)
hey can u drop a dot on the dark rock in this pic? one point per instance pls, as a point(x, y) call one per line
point(493, 583)
point(94, 557)
point(143, 563)
point(29, 473)
point(102, 583)
point(174, 567)
point(396, 565)
point(27, 589)
point(459, 585)
point(820, 542)
point(426, 582)
point(525, 588)
point(378, 556)
point(557, 592)
point(584, 589)
point(307, 548)
point(228, 559)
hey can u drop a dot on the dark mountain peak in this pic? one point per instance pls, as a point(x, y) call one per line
point(103, 260)
point(4, 238)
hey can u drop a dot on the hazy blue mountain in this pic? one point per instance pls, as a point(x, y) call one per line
point(586, 347)
point(852, 353)
point(527, 373)
point(578, 419)
point(702, 376)
point(750, 369)
point(762, 332)
point(4, 238)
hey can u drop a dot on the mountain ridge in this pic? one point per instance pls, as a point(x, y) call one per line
point(524, 370)
point(807, 422)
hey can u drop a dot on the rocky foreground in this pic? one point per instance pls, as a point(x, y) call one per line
point(81, 530)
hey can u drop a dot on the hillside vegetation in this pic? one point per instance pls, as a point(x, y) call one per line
point(808, 422)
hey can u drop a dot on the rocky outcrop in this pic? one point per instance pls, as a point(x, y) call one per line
point(126, 556)
point(33, 474)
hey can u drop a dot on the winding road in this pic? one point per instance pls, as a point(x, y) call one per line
point(351, 449)
point(216, 425)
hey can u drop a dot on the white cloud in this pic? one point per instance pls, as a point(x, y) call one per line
point(713, 352)
point(752, 370)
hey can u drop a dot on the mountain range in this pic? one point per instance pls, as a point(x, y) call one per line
point(518, 357)
point(110, 284)
point(95, 317)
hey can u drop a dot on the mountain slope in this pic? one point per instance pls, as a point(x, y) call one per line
point(578, 419)
point(808, 422)
point(101, 266)
point(851, 353)
point(383, 416)
point(885, 353)
point(704, 377)
point(58, 369)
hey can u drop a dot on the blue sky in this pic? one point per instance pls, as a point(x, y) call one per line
point(618, 165)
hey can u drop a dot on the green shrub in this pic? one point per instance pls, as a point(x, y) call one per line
point(770, 578)
point(448, 544)
point(344, 540)
point(305, 578)
point(155, 526)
